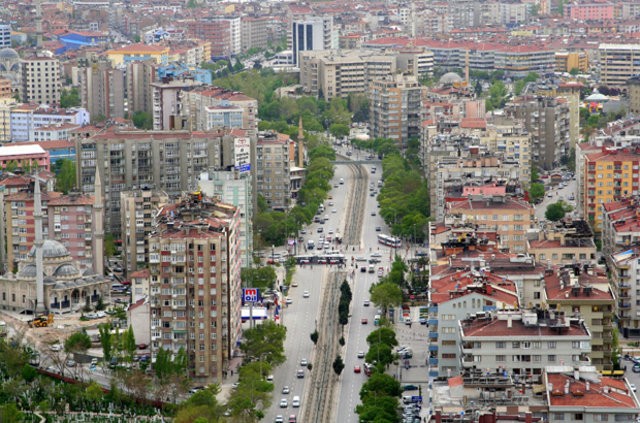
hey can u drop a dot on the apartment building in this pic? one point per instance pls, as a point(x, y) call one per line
point(592, 11)
point(102, 90)
point(24, 157)
point(587, 295)
point(618, 63)
point(235, 188)
point(169, 161)
point(511, 217)
point(26, 120)
point(396, 109)
point(457, 168)
point(275, 154)
point(312, 33)
point(255, 32)
point(170, 110)
point(137, 211)
point(519, 61)
point(547, 120)
point(212, 106)
point(625, 273)
point(6, 90)
point(620, 225)
point(523, 343)
point(566, 61)
point(138, 53)
point(338, 73)
point(564, 244)
point(5, 35)
point(586, 396)
point(67, 219)
point(454, 296)
point(633, 94)
point(223, 32)
point(41, 82)
point(195, 287)
point(139, 77)
point(608, 175)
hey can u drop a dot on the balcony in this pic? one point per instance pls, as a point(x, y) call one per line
point(623, 305)
point(468, 361)
point(432, 322)
point(433, 361)
point(433, 348)
point(433, 309)
point(433, 335)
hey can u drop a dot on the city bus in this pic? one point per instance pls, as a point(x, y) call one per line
point(389, 241)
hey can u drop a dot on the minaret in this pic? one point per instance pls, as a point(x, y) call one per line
point(39, 23)
point(98, 226)
point(37, 217)
point(300, 144)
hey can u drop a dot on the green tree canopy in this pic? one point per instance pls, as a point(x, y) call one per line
point(70, 98)
point(142, 120)
point(65, 170)
point(536, 191)
point(382, 335)
point(557, 211)
point(77, 342)
point(385, 295)
point(265, 342)
point(201, 405)
point(260, 277)
point(378, 385)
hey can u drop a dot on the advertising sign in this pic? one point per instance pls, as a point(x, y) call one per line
point(242, 153)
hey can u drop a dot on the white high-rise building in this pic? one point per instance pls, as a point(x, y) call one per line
point(5, 35)
point(312, 33)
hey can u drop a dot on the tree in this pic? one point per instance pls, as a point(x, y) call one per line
point(338, 365)
point(380, 354)
point(378, 385)
point(109, 245)
point(339, 130)
point(314, 337)
point(536, 191)
point(556, 211)
point(265, 340)
point(385, 295)
point(106, 340)
point(70, 98)
point(129, 342)
point(65, 175)
point(383, 335)
point(77, 342)
point(142, 120)
point(201, 405)
point(261, 277)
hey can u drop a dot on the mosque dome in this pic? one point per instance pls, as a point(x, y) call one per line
point(9, 54)
point(65, 270)
point(450, 78)
point(29, 271)
point(51, 249)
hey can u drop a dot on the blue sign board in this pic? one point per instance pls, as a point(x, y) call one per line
point(245, 167)
point(416, 398)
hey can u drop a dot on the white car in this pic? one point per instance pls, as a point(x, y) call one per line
point(304, 362)
point(270, 378)
point(305, 294)
point(56, 347)
point(285, 390)
point(284, 403)
point(632, 386)
point(289, 300)
point(279, 419)
point(333, 210)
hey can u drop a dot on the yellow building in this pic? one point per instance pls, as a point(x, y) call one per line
point(568, 60)
point(608, 175)
point(137, 53)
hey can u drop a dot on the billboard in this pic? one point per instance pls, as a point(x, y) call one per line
point(250, 295)
point(242, 154)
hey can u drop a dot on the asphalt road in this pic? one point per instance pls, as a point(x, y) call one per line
point(300, 317)
point(556, 195)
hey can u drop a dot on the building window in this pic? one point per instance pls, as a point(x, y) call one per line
point(501, 344)
point(577, 417)
point(515, 345)
point(551, 345)
point(501, 358)
point(551, 358)
point(558, 416)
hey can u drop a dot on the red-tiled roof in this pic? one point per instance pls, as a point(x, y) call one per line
point(499, 327)
point(618, 394)
point(556, 292)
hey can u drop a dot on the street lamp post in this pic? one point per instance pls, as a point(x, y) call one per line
point(273, 254)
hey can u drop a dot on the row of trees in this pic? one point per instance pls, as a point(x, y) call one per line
point(404, 197)
point(273, 227)
point(345, 302)
point(379, 394)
